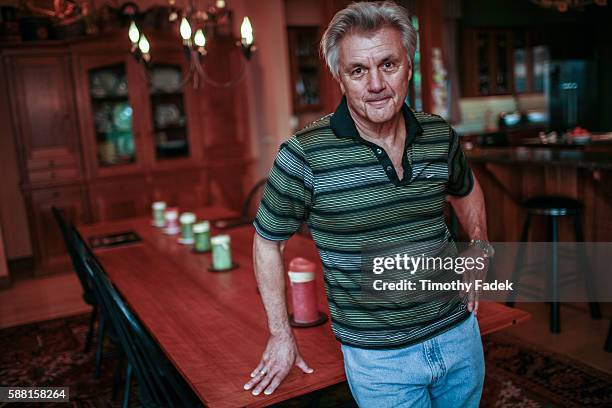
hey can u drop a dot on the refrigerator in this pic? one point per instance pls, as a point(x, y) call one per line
point(571, 91)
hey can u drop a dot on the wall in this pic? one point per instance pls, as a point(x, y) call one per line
point(268, 81)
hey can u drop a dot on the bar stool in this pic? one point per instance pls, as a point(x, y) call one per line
point(553, 207)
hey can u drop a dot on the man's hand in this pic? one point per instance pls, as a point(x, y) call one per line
point(471, 275)
point(277, 360)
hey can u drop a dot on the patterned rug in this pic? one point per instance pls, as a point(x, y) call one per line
point(518, 375)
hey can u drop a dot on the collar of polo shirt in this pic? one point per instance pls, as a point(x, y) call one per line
point(343, 124)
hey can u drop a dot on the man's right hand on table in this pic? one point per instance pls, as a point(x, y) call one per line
point(277, 360)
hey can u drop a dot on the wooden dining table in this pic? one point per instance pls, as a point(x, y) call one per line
point(212, 325)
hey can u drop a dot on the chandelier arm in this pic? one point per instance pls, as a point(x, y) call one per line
point(179, 86)
point(229, 83)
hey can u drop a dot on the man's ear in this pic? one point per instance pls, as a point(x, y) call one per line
point(341, 86)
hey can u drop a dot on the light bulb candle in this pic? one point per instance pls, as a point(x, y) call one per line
point(246, 37)
point(144, 47)
point(201, 232)
point(171, 216)
point(303, 291)
point(187, 220)
point(158, 208)
point(185, 30)
point(134, 34)
point(200, 41)
point(221, 252)
point(220, 4)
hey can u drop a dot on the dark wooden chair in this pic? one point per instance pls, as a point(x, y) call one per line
point(608, 345)
point(88, 295)
point(159, 384)
point(83, 257)
point(249, 208)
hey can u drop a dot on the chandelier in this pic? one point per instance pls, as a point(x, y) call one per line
point(565, 5)
point(196, 28)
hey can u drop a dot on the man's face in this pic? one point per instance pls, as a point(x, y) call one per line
point(374, 74)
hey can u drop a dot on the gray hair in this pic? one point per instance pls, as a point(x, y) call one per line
point(366, 17)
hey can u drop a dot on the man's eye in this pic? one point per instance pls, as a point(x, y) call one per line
point(357, 71)
point(388, 65)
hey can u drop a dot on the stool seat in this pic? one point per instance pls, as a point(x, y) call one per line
point(553, 205)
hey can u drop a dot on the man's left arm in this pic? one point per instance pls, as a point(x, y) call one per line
point(467, 201)
point(471, 213)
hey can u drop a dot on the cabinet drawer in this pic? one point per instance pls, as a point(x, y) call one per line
point(51, 163)
point(53, 174)
point(46, 236)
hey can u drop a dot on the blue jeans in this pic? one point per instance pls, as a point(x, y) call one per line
point(444, 371)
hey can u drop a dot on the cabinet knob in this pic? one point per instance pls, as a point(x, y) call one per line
point(52, 174)
point(51, 163)
point(56, 194)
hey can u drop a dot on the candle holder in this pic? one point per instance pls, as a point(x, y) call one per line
point(221, 254)
point(201, 232)
point(171, 216)
point(158, 207)
point(304, 298)
point(187, 220)
point(322, 318)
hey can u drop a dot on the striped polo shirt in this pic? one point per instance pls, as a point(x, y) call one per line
point(347, 191)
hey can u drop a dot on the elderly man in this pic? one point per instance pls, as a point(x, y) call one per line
point(373, 173)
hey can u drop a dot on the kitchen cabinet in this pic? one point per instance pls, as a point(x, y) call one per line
point(305, 68)
point(501, 62)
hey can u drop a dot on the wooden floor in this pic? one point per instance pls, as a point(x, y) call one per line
point(42, 298)
point(582, 338)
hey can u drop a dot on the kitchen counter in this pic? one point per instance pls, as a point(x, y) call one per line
point(510, 175)
point(542, 156)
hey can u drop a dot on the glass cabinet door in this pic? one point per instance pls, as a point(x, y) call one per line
point(112, 115)
point(168, 113)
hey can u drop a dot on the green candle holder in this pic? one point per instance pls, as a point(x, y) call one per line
point(187, 220)
point(158, 207)
point(221, 252)
point(201, 232)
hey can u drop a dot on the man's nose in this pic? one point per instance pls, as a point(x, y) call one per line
point(376, 81)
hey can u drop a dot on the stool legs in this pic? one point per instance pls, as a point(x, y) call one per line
point(553, 281)
point(520, 259)
point(587, 271)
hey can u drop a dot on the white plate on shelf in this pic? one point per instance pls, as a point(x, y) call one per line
point(166, 80)
point(109, 81)
point(167, 114)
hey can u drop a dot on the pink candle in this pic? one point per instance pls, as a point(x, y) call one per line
point(171, 216)
point(303, 290)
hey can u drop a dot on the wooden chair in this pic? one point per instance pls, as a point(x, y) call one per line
point(608, 345)
point(88, 295)
point(249, 208)
point(159, 384)
point(83, 257)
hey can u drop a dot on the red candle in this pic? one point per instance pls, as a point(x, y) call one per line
point(303, 290)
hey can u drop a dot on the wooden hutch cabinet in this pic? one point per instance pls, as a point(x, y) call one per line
point(100, 136)
point(496, 61)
